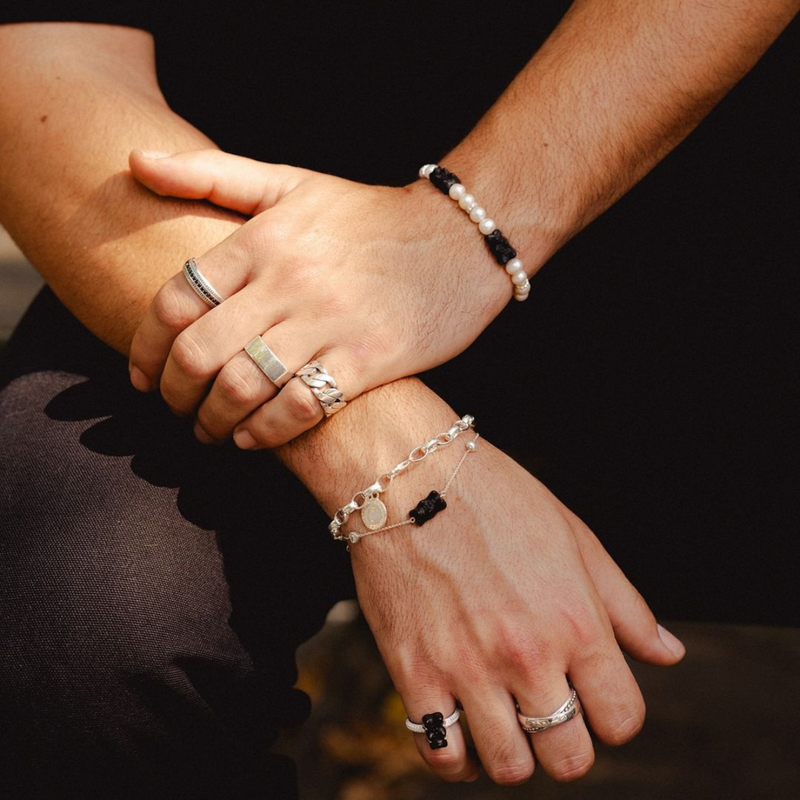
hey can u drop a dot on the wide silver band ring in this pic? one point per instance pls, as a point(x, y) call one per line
point(204, 290)
point(268, 362)
point(315, 376)
point(417, 727)
point(564, 714)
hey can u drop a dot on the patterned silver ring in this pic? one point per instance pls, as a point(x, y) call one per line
point(564, 714)
point(268, 362)
point(204, 290)
point(416, 727)
point(324, 387)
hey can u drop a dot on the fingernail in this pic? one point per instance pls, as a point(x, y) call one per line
point(243, 439)
point(152, 153)
point(201, 435)
point(472, 778)
point(139, 380)
point(671, 642)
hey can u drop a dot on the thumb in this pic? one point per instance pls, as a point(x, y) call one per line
point(233, 182)
point(635, 627)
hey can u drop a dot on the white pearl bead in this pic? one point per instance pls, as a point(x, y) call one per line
point(472, 446)
point(515, 265)
point(519, 278)
point(425, 172)
point(486, 225)
point(477, 213)
point(521, 296)
point(457, 190)
point(467, 202)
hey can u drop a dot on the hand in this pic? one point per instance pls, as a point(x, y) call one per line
point(505, 596)
point(376, 283)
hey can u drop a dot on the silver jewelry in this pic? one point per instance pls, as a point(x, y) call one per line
point(315, 376)
point(204, 290)
point(372, 493)
point(268, 362)
point(426, 509)
point(417, 727)
point(564, 714)
point(503, 252)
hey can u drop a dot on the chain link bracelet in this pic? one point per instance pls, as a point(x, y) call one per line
point(368, 502)
point(427, 508)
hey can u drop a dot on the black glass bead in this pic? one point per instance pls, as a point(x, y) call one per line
point(427, 509)
point(502, 251)
point(443, 179)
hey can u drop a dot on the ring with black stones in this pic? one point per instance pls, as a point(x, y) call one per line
point(203, 289)
point(563, 714)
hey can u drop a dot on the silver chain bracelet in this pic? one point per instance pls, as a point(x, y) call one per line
point(368, 502)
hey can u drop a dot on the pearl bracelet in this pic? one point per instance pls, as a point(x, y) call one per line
point(368, 502)
point(505, 255)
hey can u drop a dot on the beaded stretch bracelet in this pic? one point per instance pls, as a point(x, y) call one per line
point(427, 508)
point(505, 255)
point(368, 502)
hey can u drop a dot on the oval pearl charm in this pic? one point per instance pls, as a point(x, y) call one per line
point(487, 225)
point(373, 514)
point(477, 214)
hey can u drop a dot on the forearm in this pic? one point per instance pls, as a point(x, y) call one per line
point(106, 245)
point(71, 109)
point(616, 87)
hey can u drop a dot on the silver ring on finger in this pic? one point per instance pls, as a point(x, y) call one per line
point(563, 714)
point(434, 726)
point(268, 362)
point(324, 387)
point(203, 289)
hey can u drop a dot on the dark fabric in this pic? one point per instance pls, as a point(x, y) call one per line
point(153, 591)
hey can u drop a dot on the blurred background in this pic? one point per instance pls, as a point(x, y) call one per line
point(725, 723)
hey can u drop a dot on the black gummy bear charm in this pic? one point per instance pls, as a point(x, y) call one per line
point(443, 179)
point(435, 732)
point(427, 508)
point(502, 251)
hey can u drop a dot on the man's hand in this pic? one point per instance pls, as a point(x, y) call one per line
point(376, 283)
point(505, 597)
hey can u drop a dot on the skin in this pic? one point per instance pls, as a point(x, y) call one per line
point(76, 99)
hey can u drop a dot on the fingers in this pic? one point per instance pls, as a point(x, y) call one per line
point(611, 698)
point(503, 746)
point(452, 762)
point(296, 408)
point(634, 625)
point(564, 751)
point(240, 184)
point(174, 309)
point(241, 387)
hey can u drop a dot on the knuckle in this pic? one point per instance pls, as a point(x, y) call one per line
point(572, 767)
point(445, 761)
point(623, 728)
point(189, 357)
point(303, 407)
point(512, 772)
point(234, 388)
point(172, 309)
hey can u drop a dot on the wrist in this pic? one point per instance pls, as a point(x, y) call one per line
point(345, 454)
